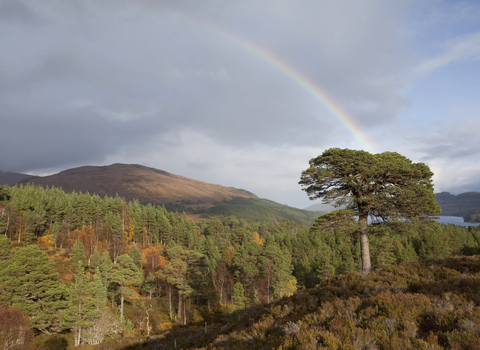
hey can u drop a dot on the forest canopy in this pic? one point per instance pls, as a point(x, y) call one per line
point(112, 268)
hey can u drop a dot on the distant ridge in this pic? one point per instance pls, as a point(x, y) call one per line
point(133, 181)
point(466, 205)
point(458, 205)
point(8, 178)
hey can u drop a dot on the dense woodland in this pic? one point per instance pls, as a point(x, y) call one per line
point(89, 270)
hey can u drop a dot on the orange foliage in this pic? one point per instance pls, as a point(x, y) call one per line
point(256, 238)
point(87, 237)
point(163, 262)
point(48, 241)
point(151, 257)
point(128, 228)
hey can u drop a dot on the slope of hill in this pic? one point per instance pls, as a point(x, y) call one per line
point(262, 210)
point(465, 204)
point(177, 193)
point(429, 304)
point(132, 181)
point(8, 178)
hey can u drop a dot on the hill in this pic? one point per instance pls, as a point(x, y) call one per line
point(262, 210)
point(465, 204)
point(8, 178)
point(147, 185)
point(175, 192)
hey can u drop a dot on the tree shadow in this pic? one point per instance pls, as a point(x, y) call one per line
point(215, 330)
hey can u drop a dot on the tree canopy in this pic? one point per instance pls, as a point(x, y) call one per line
point(385, 185)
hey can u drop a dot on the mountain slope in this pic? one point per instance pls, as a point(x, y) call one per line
point(8, 178)
point(177, 193)
point(132, 181)
point(262, 210)
point(460, 205)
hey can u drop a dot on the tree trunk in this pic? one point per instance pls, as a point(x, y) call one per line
point(184, 314)
point(366, 265)
point(179, 310)
point(121, 307)
point(268, 289)
point(170, 300)
point(20, 230)
point(8, 224)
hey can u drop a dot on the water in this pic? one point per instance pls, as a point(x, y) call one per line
point(456, 220)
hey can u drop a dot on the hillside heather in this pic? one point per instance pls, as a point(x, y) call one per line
point(102, 273)
point(429, 304)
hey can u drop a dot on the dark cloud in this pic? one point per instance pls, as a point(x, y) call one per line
point(197, 88)
point(16, 11)
point(69, 138)
point(118, 72)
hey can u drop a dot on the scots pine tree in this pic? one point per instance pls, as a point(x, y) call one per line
point(385, 185)
point(127, 275)
point(28, 281)
point(78, 258)
point(83, 311)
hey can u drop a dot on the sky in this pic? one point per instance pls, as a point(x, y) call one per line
point(240, 93)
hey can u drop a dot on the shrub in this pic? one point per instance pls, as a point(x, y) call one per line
point(14, 331)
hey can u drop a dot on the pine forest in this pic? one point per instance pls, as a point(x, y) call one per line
point(81, 271)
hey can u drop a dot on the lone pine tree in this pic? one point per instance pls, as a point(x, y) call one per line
point(385, 185)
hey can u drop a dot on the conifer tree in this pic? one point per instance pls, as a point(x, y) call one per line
point(238, 296)
point(127, 275)
point(249, 262)
point(56, 232)
point(28, 281)
point(346, 261)
point(83, 311)
point(78, 257)
point(383, 252)
point(282, 267)
point(405, 253)
point(254, 297)
point(95, 260)
point(105, 269)
point(385, 185)
point(100, 291)
point(150, 285)
point(177, 273)
point(5, 247)
point(117, 241)
point(136, 255)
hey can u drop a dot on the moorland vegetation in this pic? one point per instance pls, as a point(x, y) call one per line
point(81, 269)
point(78, 270)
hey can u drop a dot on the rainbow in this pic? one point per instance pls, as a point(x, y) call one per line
point(292, 74)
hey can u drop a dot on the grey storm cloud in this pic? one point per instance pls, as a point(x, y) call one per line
point(81, 80)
